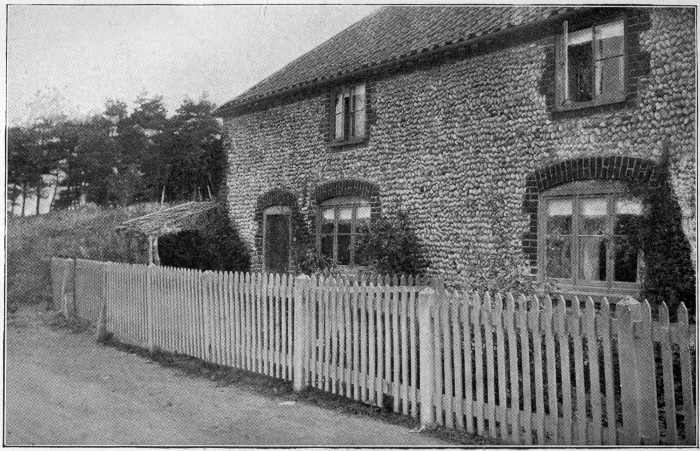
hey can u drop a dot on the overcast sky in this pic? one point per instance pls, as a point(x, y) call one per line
point(85, 54)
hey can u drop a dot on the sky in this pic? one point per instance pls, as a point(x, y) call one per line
point(72, 58)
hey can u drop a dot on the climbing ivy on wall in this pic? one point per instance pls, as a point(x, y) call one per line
point(668, 272)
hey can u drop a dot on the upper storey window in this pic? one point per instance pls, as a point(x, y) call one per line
point(350, 116)
point(591, 65)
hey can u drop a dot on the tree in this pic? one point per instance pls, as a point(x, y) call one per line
point(187, 157)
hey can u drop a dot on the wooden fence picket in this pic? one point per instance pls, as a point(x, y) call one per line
point(525, 371)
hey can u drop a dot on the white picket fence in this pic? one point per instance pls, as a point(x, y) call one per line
point(525, 371)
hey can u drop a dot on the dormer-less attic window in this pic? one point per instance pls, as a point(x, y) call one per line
point(348, 124)
point(591, 65)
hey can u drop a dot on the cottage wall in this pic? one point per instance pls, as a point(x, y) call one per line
point(453, 144)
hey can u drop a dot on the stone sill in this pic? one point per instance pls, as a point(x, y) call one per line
point(590, 104)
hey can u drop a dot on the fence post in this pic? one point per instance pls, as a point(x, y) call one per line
point(426, 300)
point(300, 285)
point(627, 310)
point(72, 303)
point(101, 333)
point(149, 308)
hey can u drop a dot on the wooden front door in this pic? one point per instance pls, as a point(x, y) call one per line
point(276, 241)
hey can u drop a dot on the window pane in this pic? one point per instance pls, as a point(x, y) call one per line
point(363, 213)
point(625, 260)
point(359, 93)
point(592, 260)
point(609, 38)
point(559, 257)
point(327, 246)
point(559, 216)
point(628, 207)
point(593, 216)
point(343, 249)
point(609, 76)
point(347, 118)
point(359, 260)
point(359, 109)
point(345, 214)
point(580, 57)
point(339, 125)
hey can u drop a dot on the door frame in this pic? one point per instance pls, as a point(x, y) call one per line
point(276, 210)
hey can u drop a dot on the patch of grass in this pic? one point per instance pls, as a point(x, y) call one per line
point(56, 321)
point(87, 232)
point(281, 390)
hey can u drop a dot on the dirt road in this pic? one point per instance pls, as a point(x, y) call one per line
point(63, 389)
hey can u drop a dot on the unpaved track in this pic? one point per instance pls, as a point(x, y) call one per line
point(64, 389)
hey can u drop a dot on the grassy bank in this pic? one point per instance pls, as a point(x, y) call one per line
point(87, 232)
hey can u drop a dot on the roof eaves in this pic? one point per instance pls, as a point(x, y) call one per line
point(229, 108)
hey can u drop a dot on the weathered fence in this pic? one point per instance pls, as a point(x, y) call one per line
point(526, 370)
point(530, 371)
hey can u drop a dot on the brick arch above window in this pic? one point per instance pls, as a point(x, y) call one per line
point(346, 188)
point(634, 171)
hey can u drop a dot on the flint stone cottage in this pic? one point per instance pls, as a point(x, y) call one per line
point(503, 132)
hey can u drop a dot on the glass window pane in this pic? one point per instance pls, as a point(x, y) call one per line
point(580, 37)
point(628, 216)
point(580, 83)
point(339, 126)
point(345, 214)
point(593, 216)
point(559, 257)
point(328, 214)
point(625, 260)
point(327, 246)
point(359, 260)
point(359, 93)
point(628, 207)
point(343, 249)
point(610, 38)
point(592, 260)
point(559, 216)
point(363, 213)
point(609, 76)
point(360, 119)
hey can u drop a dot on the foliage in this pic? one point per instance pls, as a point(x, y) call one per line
point(668, 271)
point(215, 245)
point(118, 158)
point(390, 245)
point(310, 261)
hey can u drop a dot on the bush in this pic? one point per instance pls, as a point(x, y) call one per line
point(390, 245)
point(215, 246)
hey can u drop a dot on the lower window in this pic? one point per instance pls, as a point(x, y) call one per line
point(340, 226)
point(589, 237)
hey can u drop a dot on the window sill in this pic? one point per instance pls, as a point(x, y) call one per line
point(573, 106)
point(349, 142)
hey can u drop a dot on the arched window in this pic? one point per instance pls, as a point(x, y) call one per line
point(340, 225)
point(587, 240)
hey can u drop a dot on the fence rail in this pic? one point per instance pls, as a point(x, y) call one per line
point(524, 370)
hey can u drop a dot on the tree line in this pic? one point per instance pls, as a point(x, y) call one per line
point(118, 157)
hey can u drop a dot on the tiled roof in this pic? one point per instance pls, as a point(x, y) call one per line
point(185, 216)
point(392, 34)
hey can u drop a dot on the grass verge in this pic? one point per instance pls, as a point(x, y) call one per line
point(270, 387)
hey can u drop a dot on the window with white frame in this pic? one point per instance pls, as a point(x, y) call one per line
point(588, 236)
point(341, 223)
point(591, 65)
point(350, 117)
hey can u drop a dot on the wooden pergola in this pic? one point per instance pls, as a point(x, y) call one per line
point(175, 219)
